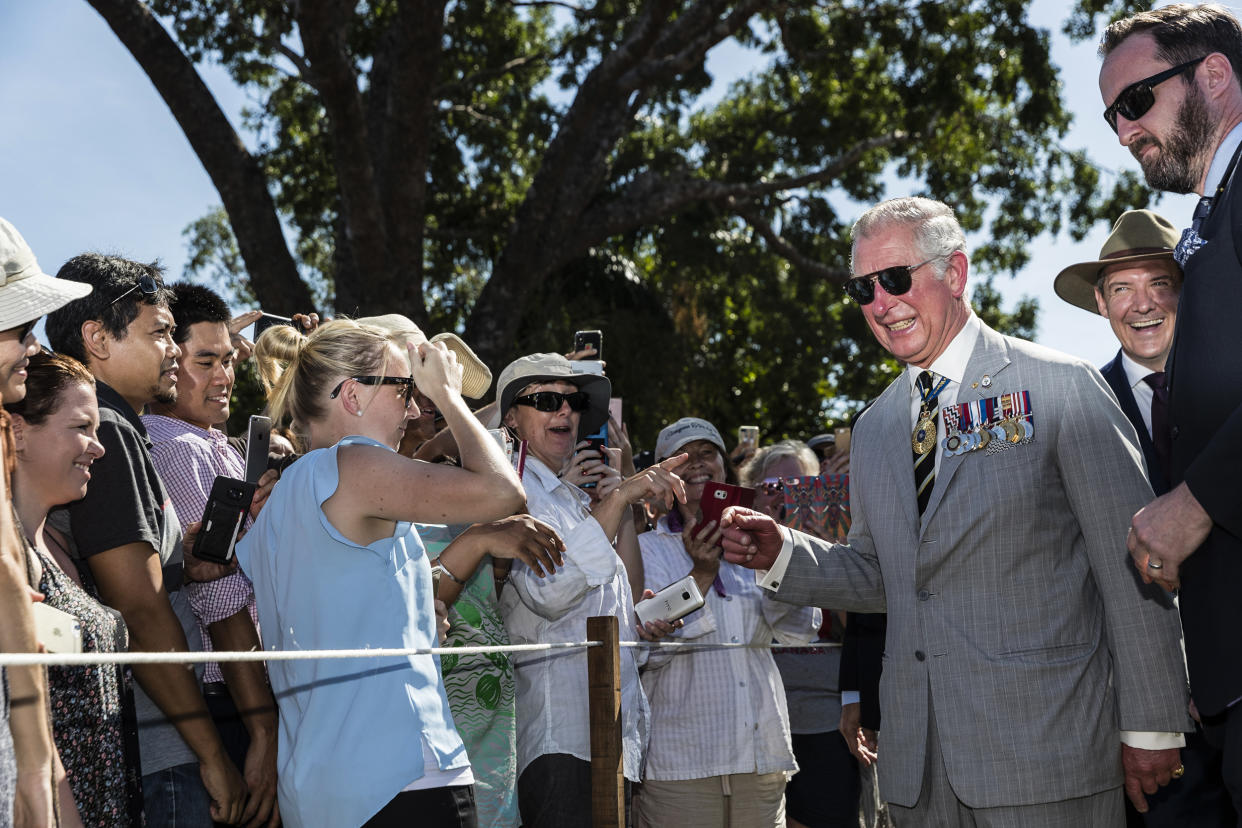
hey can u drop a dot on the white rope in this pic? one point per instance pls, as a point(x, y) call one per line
point(88, 659)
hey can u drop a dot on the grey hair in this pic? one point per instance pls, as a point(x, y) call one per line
point(936, 231)
point(757, 467)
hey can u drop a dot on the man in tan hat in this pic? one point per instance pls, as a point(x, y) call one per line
point(1135, 284)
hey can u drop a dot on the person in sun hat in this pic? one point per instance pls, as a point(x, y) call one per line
point(550, 406)
point(1135, 284)
point(26, 295)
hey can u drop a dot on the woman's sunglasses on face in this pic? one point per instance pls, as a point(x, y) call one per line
point(549, 401)
point(407, 392)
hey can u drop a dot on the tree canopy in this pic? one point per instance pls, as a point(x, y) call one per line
point(518, 170)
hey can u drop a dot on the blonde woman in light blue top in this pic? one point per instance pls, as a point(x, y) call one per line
point(337, 564)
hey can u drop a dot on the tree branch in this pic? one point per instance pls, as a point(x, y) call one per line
point(233, 170)
point(682, 52)
point(785, 248)
point(323, 25)
point(652, 197)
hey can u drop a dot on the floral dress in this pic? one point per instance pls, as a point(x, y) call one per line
point(92, 710)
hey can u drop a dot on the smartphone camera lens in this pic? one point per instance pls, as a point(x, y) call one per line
point(235, 494)
point(685, 596)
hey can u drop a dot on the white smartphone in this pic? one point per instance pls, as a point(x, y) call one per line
point(674, 601)
point(58, 631)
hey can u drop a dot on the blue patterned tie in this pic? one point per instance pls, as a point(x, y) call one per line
point(1190, 241)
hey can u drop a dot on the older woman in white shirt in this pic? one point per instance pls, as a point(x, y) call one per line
point(550, 407)
point(720, 750)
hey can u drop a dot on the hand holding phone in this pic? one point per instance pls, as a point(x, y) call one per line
point(226, 509)
point(590, 339)
point(258, 443)
point(676, 600)
point(717, 497)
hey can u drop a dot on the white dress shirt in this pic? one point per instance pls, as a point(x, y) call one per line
point(718, 711)
point(952, 365)
point(1143, 393)
point(552, 710)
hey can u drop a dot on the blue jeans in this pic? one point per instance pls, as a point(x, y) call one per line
point(175, 798)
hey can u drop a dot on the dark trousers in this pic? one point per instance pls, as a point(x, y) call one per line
point(555, 792)
point(824, 791)
point(451, 807)
point(1224, 733)
point(233, 732)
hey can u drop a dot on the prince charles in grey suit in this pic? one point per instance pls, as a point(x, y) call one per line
point(1028, 672)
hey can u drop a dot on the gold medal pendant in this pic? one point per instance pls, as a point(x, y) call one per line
point(923, 439)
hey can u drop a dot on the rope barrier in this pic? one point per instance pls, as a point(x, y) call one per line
point(90, 659)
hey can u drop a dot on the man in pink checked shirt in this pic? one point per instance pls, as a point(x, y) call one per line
point(189, 451)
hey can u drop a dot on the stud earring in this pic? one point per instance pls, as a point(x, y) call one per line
point(359, 412)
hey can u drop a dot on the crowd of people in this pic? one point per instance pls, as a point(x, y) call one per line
point(1034, 597)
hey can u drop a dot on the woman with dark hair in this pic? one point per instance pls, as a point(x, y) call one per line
point(54, 434)
point(720, 749)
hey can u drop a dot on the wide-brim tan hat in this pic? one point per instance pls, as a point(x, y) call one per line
point(476, 378)
point(533, 368)
point(26, 292)
point(1138, 235)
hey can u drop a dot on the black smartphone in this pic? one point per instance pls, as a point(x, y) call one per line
point(222, 519)
point(597, 442)
point(267, 320)
point(592, 339)
point(258, 443)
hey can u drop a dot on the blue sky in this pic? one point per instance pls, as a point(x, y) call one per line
point(93, 160)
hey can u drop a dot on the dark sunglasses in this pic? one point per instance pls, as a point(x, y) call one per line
point(895, 280)
point(1136, 99)
point(407, 392)
point(145, 284)
point(25, 330)
point(548, 401)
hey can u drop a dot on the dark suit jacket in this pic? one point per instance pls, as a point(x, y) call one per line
point(1115, 375)
point(1205, 418)
point(862, 660)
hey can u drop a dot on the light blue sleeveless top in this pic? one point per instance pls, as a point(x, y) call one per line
point(349, 728)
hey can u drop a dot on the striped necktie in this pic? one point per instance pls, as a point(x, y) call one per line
point(925, 464)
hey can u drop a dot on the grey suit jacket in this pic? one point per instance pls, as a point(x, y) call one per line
point(1013, 608)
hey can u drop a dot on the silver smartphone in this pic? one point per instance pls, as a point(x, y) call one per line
point(675, 600)
point(258, 444)
point(57, 630)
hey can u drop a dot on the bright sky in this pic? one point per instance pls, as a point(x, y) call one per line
point(93, 160)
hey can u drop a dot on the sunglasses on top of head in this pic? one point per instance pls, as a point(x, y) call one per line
point(549, 401)
point(895, 280)
point(146, 285)
point(1135, 100)
point(407, 392)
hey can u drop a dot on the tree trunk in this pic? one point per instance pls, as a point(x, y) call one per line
point(233, 170)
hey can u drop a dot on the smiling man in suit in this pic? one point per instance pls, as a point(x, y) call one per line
point(1027, 671)
point(1135, 285)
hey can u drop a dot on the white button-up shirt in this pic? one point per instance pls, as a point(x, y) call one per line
point(552, 712)
point(718, 711)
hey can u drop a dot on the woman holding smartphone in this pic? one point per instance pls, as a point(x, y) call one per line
point(336, 564)
point(720, 749)
point(54, 431)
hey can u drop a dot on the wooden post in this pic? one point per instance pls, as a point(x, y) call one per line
point(607, 766)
